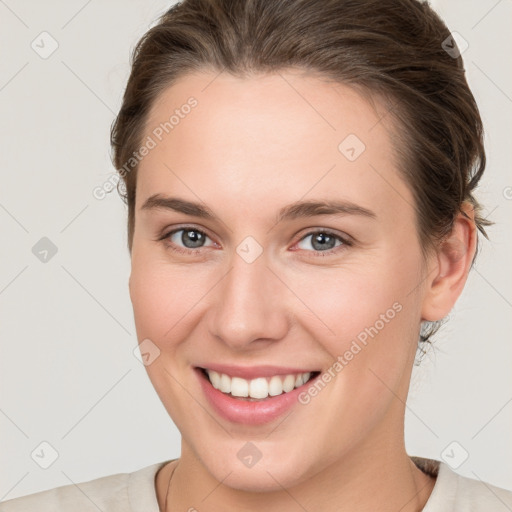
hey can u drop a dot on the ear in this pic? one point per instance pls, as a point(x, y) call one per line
point(450, 266)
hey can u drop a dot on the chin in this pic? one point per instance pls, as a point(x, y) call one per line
point(273, 471)
point(264, 479)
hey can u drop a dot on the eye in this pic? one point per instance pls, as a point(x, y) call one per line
point(323, 242)
point(190, 238)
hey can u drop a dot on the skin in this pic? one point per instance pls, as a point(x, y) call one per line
point(251, 146)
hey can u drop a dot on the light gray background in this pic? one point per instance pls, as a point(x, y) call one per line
point(67, 372)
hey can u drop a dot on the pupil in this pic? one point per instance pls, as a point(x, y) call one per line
point(324, 241)
point(194, 238)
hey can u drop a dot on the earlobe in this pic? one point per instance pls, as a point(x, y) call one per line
point(452, 263)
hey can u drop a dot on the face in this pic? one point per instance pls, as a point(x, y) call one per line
point(248, 283)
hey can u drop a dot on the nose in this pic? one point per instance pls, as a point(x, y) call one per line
point(249, 310)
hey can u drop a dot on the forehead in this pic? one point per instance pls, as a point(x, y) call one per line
point(277, 137)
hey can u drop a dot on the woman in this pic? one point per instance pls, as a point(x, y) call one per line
point(300, 182)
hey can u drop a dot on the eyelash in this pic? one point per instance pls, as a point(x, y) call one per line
point(345, 242)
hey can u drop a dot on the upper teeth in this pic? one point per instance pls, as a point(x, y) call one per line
point(261, 387)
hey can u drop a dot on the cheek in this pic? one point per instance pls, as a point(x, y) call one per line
point(155, 296)
point(365, 313)
point(166, 302)
point(345, 302)
point(167, 299)
point(368, 322)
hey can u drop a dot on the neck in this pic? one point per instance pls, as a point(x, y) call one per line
point(379, 476)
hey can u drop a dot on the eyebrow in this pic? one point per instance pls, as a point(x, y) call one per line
point(299, 209)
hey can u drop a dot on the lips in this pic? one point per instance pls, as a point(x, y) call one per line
point(252, 395)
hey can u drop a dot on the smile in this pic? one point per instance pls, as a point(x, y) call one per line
point(258, 388)
point(253, 395)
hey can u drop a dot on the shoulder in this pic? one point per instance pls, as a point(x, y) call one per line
point(456, 493)
point(121, 492)
point(477, 495)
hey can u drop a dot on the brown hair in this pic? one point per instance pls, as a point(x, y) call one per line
point(392, 49)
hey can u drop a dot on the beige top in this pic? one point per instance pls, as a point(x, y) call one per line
point(135, 492)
